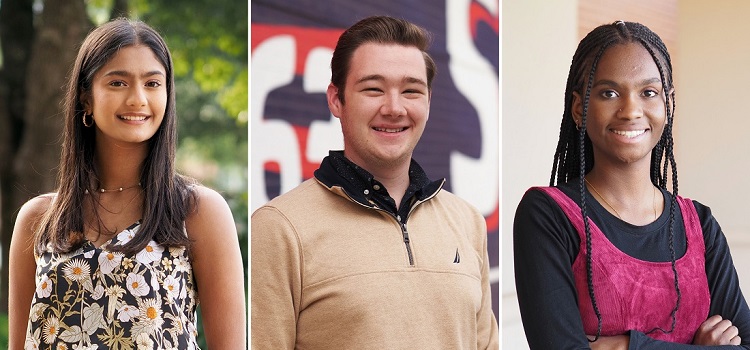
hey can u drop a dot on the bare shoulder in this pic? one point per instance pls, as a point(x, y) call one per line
point(211, 213)
point(28, 218)
point(31, 212)
point(208, 201)
point(37, 205)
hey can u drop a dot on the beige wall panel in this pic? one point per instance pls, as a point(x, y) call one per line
point(712, 145)
point(538, 41)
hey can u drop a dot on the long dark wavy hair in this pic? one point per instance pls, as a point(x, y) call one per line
point(168, 195)
point(574, 156)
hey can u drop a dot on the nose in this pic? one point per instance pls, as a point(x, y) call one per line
point(392, 105)
point(137, 97)
point(631, 108)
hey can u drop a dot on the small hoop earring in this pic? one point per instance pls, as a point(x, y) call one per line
point(578, 127)
point(84, 120)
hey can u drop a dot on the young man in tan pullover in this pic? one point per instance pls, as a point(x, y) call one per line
point(371, 254)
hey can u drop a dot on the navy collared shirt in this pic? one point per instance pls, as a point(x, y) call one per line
point(337, 170)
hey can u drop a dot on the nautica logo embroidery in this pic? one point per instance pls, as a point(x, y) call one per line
point(457, 259)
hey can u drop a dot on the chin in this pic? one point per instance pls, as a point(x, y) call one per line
point(394, 159)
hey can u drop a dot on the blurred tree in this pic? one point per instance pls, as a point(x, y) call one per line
point(30, 97)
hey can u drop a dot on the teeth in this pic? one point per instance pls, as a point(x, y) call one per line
point(390, 130)
point(629, 134)
point(133, 117)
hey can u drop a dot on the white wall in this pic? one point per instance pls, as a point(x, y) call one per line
point(538, 41)
point(711, 133)
point(711, 142)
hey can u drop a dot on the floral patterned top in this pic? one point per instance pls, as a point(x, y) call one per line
point(95, 299)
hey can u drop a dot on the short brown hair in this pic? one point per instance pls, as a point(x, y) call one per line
point(384, 30)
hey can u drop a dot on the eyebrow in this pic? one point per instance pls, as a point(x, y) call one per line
point(128, 74)
point(643, 82)
point(378, 77)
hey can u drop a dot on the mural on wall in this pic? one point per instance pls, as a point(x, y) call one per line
point(292, 129)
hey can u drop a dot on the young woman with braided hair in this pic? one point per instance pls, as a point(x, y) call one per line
point(607, 257)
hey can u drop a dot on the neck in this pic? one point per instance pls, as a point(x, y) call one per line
point(119, 166)
point(626, 192)
point(623, 181)
point(393, 175)
point(395, 183)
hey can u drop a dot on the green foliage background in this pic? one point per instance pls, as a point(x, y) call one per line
point(209, 45)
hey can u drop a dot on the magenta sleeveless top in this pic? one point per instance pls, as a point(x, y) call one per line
point(633, 294)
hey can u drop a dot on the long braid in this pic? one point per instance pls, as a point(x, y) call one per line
point(576, 158)
point(668, 149)
point(581, 178)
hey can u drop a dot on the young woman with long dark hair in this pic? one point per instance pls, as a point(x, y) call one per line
point(120, 254)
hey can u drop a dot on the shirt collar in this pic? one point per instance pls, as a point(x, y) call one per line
point(358, 183)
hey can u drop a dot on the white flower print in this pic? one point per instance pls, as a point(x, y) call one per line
point(192, 330)
point(150, 312)
point(176, 251)
point(113, 293)
point(92, 297)
point(172, 285)
point(50, 329)
point(127, 263)
point(127, 312)
point(32, 342)
point(108, 261)
point(126, 235)
point(137, 284)
point(181, 264)
point(167, 263)
point(44, 287)
point(77, 270)
point(86, 347)
point(149, 317)
point(98, 292)
point(144, 342)
point(37, 311)
point(152, 252)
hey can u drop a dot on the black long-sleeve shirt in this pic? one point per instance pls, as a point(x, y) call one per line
point(546, 244)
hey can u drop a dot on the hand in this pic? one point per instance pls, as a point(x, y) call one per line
point(717, 331)
point(616, 342)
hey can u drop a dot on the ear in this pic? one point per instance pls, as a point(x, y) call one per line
point(334, 103)
point(429, 100)
point(85, 99)
point(577, 108)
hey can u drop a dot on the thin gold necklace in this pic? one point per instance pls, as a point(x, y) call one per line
point(121, 209)
point(653, 200)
